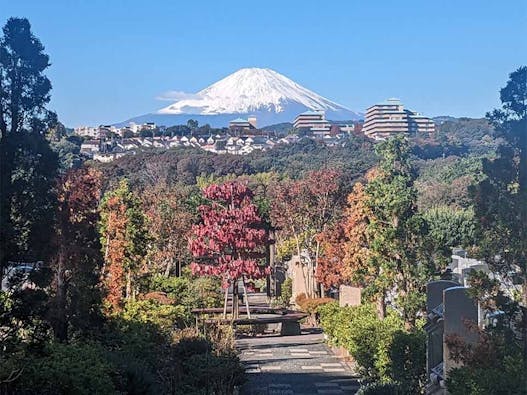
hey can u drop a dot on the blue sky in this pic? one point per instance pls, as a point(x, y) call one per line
point(110, 59)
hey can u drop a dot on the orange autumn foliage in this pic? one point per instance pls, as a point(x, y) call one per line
point(355, 268)
point(330, 269)
point(345, 244)
point(114, 278)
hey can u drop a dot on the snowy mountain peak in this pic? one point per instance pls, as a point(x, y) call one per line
point(251, 90)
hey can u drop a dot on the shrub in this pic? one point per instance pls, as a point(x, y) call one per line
point(207, 373)
point(205, 366)
point(151, 311)
point(187, 291)
point(383, 350)
point(330, 315)
point(175, 288)
point(287, 292)
point(377, 388)
point(79, 368)
point(203, 292)
point(408, 359)
point(493, 365)
point(311, 305)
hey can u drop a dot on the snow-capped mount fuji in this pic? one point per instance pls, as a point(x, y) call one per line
point(264, 93)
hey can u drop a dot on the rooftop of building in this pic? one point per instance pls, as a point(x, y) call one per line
point(239, 120)
point(312, 112)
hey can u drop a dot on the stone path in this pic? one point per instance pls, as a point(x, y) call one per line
point(293, 365)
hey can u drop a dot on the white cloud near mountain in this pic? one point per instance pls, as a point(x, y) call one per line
point(177, 95)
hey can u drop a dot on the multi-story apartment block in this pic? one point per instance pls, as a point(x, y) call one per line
point(243, 124)
point(87, 131)
point(315, 121)
point(391, 118)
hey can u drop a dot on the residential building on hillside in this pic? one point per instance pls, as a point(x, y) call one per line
point(87, 131)
point(314, 121)
point(390, 118)
point(90, 147)
point(243, 124)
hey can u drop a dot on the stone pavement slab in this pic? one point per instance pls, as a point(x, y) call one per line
point(279, 365)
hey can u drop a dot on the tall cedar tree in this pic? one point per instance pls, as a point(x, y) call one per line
point(501, 199)
point(27, 171)
point(78, 259)
point(396, 230)
point(28, 166)
point(231, 239)
point(124, 240)
point(302, 209)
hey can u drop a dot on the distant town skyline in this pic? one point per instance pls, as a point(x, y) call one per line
point(111, 60)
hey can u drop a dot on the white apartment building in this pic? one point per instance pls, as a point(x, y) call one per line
point(315, 121)
point(390, 118)
point(87, 131)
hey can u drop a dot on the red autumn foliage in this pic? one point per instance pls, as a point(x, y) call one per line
point(231, 237)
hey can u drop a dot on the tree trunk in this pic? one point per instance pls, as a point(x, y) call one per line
point(316, 284)
point(128, 284)
point(381, 307)
point(524, 328)
point(235, 301)
point(168, 268)
point(246, 298)
point(106, 253)
point(61, 325)
point(225, 302)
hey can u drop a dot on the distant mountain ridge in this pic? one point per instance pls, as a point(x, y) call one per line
point(264, 93)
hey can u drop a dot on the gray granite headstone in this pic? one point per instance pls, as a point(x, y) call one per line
point(460, 311)
point(434, 293)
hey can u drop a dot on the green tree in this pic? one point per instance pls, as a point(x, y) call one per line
point(396, 230)
point(27, 171)
point(501, 198)
point(28, 164)
point(192, 124)
point(449, 227)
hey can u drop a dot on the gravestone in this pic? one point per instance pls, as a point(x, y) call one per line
point(349, 296)
point(459, 312)
point(298, 274)
point(434, 330)
point(434, 293)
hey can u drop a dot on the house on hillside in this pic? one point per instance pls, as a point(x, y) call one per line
point(90, 147)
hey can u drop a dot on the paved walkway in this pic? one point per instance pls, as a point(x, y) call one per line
point(293, 365)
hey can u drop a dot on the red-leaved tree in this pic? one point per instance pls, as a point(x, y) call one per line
point(230, 240)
